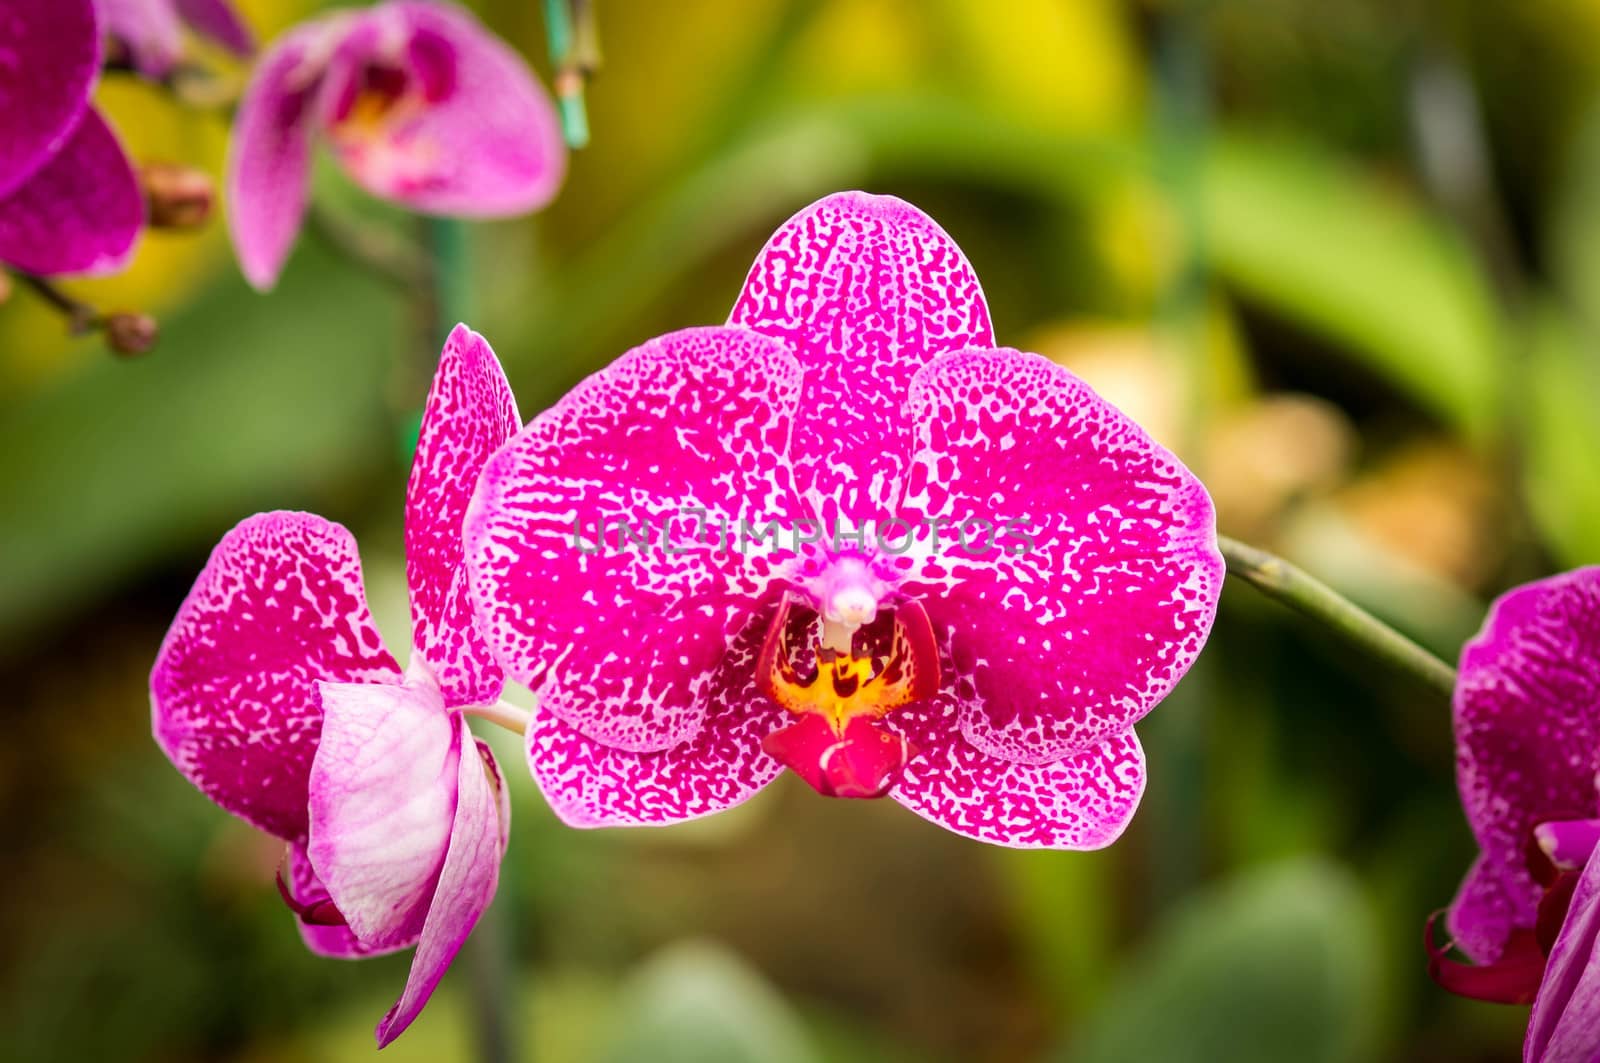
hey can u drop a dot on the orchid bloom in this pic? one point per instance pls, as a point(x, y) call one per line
point(69, 200)
point(421, 106)
point(152, 30)
point(991, 690)
point(274, 695)
point(1527, 722)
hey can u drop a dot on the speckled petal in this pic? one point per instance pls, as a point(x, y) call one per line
point(49, 59)
point(383, 795)
point(149, 29)
point(1565, 1025)
point(81, 212)
point(336, 942)
point(472, 134)
point(1079, 802)
point(589, 784)
point(218, 20)
point(466, 883)
point(278, 608)
point(1090, 573)
point(695, 419)
point(1527, 722)
point(865, 290)
point(269, 155)
point(470, 414)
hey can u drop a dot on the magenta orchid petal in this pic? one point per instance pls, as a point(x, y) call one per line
point(1090, 575)
point(440, 115)
point(81, 212)
point(1528, 744)
point(269, 157)
point(1565, 1025)
point(466, 882)
point(218, 20)
point(628, 637)
point(234, 704)
point(49, 60)
point(334, 940)
point(592, 784)
point(470, 414)
point(149, 29)
point(865, 290)
point(1083, 801)
point(382, 799)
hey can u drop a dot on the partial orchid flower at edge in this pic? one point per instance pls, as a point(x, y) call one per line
point(419, 103)
point(152, 30)
point(274, 695)
point(1527, 723)
point(70, 202)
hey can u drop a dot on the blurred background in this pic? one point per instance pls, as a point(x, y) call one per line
point(1344, 258)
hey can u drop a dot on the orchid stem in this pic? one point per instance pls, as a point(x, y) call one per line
point(81, 317)
point(381, 251)
point(574, 47)
point(502, 714)
point(1309, 596)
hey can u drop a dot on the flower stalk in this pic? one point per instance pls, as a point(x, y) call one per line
point(1309, 596)
point(574, 45)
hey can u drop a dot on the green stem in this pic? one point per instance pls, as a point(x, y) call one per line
point(575, 53)
point(1309, 596)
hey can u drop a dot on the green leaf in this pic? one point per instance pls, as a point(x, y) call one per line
point(698, 1003)
point(1279, 964)
point(1361, 263)
point(1561, 437)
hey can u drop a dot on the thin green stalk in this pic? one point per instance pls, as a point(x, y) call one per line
point(1309, 596)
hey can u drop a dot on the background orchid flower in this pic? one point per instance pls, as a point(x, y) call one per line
point(69, 200)
point(420, 104)
point(274, 695)
point(992, 691)
point(152, 30)
point(1527, 722)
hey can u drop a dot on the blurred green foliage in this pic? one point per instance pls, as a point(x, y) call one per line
point(1219, 213)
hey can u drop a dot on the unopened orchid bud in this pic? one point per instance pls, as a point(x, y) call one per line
point(128, 333)
point(6, 287)
point(179, 197)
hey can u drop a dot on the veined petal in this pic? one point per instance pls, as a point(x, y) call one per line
point(149, 29)
point(1565, 1025)
point(278, 608)
point(81, 212)
point(470, 414)
point(1090, 574)
point(467, 881)
point(628, 634)
point(218, 20)
point(591, 784)
point(1527, 743)
point(336, 941)
point(269, 155)
point(865, 290)
point(439, 114)
point(1083, 801)
point(383, 797)
point(49, 59)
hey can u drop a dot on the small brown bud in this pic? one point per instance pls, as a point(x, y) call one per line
point(179, 197)
point(6, 287)
point(128, 333)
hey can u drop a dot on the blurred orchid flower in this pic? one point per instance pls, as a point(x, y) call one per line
point(992, 691)
point(152, 30)
point(421, 105)
point(69, 200)
point(274, 695)
point(1527, 721)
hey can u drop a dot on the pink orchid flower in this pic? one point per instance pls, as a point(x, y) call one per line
point(69, 200)
point(1527, 721)
point(420, 104)
point(274, 695)
point(991, 688)
point(152, 30)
